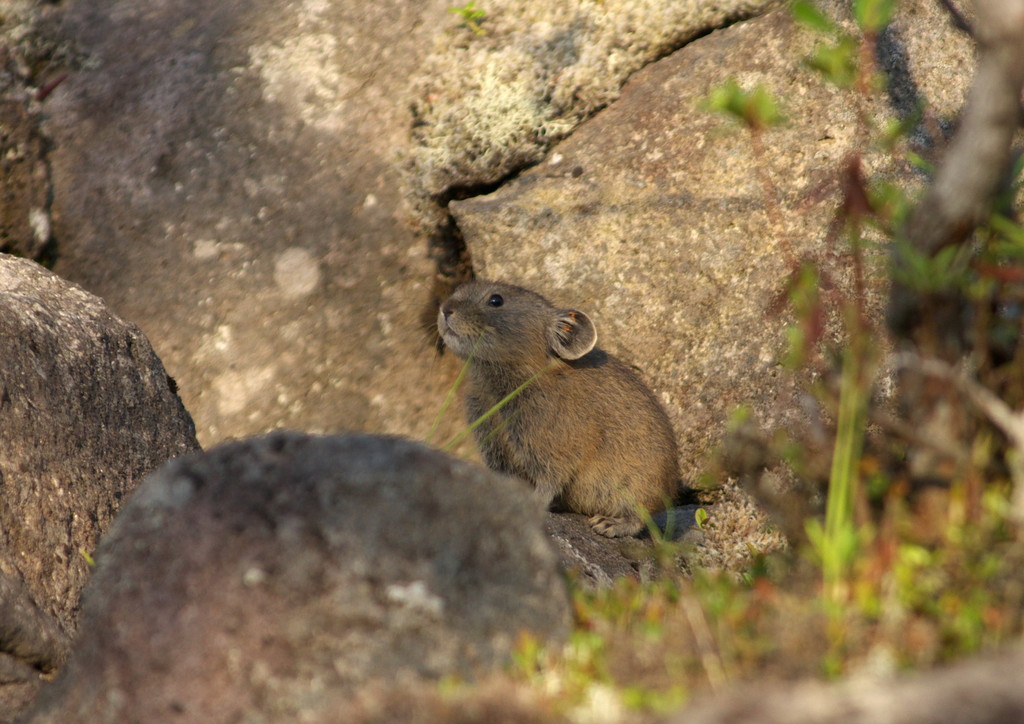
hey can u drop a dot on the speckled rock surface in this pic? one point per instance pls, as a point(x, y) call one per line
point(652, 218)
point(222, 176)
point(489, 104)
point(86, 411)
point(269, 579)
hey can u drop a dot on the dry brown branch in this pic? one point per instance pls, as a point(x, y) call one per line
point(979, 154)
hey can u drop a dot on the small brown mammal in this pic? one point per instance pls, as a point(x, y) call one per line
point(586, 432)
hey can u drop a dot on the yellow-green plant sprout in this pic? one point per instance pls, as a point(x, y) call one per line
point(471, 16)
point(755, 108)
point(873, 16)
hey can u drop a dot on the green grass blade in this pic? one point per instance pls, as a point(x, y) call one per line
point(487, 415)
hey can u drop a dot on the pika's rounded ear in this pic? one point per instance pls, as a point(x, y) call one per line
point(571, 334)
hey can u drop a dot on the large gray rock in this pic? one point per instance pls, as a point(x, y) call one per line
point(86, 411)
point(652, 218)
point(222, 177)
point(269, 579)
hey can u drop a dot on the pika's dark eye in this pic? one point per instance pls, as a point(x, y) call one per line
point(496, 300)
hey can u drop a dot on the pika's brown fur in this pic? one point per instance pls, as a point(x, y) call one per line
point(585, 431)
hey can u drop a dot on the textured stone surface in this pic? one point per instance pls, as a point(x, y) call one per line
point(269, 579)
point(652, 219)
point(489, 105)
point(86, 411)
point(595, 561)
point(222, 177)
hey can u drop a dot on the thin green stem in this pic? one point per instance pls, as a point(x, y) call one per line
point(449, 398)
point(840, 538)
point(501, 403)
point(452, 391)
point(840, 529)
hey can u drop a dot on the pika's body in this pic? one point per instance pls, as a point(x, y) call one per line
point(584, 430)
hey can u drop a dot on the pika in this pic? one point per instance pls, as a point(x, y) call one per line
point(583, 429)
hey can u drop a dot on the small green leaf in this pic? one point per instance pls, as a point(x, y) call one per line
point(898, 129)
point(796, 346)
point(726, 99)
point(471, 16)
point(702, 517)
point(1009, 230)
point(921, 163)
point(807, 14)
point(755, 109)
point(930, 274)
point(873, 15)
point(89, 560)
point(652, 700)
point(837, 62)
point(889, 201)
point(815, 536)
point(762, 108)
point(739, 416)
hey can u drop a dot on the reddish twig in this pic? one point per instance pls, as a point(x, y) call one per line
point(49, 87)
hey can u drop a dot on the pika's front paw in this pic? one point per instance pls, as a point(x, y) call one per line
point(615, 527)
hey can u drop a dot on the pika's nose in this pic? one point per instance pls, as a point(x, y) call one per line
point(442, 318)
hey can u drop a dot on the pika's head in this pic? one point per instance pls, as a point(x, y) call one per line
point(499, 322)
